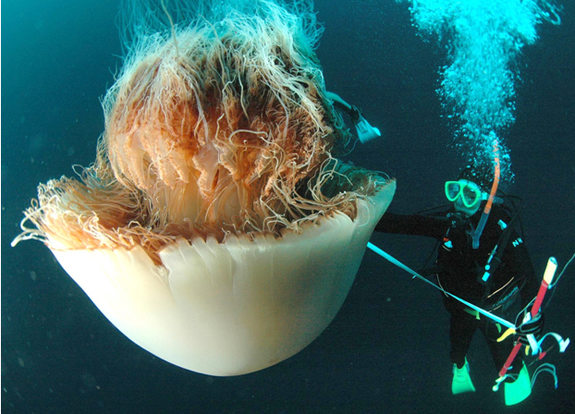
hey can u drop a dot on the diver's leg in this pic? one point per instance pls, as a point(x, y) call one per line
point(461, 330)
point(499, 350)
point(518, 383)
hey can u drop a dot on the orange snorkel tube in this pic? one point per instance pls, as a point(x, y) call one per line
point(477, 233)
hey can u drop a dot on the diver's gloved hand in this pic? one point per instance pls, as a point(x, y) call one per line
point(533, 327)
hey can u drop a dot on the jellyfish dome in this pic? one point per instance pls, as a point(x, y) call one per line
point(216, 229)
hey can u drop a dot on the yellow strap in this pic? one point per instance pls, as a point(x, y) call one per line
point(509, 331)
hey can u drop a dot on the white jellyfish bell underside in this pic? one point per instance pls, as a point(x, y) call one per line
point(235, 307)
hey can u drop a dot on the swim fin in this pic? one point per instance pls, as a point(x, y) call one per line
point(461, 379)
point(518, 390)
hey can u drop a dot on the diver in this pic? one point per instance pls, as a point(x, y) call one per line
point(483, 269)
point(506, 282)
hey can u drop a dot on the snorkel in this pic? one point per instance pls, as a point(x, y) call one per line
point(485, 215)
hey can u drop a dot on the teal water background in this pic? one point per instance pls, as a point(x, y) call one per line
point(387, 350)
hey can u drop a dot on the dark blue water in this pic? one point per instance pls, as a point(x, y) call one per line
point(387, 350)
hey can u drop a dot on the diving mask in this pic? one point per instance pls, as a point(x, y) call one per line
point(470, 193)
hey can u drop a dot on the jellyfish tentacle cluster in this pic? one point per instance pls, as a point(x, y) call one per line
point(224, 134)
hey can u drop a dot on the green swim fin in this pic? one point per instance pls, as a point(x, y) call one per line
point(461, 379)
point(518, 390)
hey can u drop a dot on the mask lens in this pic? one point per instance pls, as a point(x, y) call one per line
point(471, 196)
point(452, 189)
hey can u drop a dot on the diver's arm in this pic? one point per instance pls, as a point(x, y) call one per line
point(531, 287)
point(518, 262)
point(415, 225)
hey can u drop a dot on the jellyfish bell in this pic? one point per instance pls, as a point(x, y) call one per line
point(233, 307)
point(215, 229)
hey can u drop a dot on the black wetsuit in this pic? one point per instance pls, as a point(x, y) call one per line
point(459, 268)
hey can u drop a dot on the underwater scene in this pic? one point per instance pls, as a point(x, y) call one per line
point(216, 206)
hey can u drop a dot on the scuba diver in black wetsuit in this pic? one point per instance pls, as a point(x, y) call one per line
point(483, 269)
point(496, 275)
point(461, 270)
